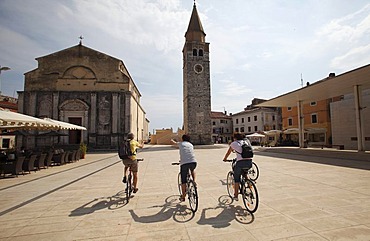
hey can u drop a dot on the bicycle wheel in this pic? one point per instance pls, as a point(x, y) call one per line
point(128, 187)
point(192, 196)
point(230, 183)
point(179, 183)
point(253, 172)
point(250, 195)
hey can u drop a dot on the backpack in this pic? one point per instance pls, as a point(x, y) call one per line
point(247, 151)
point(124, 150)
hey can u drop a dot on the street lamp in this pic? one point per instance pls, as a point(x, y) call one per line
point(3, 68)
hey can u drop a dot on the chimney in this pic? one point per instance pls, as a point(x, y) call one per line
point(331, 75)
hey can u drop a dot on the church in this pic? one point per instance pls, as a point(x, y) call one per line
point(86, 87)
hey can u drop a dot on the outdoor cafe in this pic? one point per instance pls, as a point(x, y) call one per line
point(15, 160)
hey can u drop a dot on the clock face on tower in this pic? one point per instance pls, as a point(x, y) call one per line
point(198, 68)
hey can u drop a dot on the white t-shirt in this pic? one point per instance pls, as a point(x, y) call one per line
point(186, 152)
point(237, 146)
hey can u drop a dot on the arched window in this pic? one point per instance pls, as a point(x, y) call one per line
point(200, 52)
point(195, 52)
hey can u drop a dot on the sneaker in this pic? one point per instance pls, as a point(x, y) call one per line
point(124, 180)
point(135, 190)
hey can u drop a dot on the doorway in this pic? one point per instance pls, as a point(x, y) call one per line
point(75, 135)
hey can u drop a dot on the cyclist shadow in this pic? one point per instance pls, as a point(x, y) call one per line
point(115, 201)
point(172, 208)
point(229, 213)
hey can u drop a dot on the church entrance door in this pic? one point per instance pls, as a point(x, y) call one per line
point(75, 135)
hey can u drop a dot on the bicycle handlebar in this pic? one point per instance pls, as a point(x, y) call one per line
point(229, 160)
point(175, 163)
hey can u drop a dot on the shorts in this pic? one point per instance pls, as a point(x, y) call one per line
point(132, 164)
point(184, 169)
point(238, 166)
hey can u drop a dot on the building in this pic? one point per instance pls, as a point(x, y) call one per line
point(256, 119)
point(343, 121)
point(86, 87)
point(222, 127)
point(196, 83)
point(348, 123)
point(6, 102)
point(317, 123)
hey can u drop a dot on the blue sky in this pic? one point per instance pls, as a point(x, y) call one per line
point(258, 49)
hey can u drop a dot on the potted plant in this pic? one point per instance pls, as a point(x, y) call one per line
point(83, 149)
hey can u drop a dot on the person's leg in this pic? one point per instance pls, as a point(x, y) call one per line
point(237, 172)
point(192, 168)
point(134, 168)
point(184, 169)
point(236, 190)
point(124, 179)
point(183, 192)
point(134, 182)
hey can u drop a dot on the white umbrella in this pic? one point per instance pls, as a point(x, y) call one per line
point(65, 125)
point(255, 135)
point(14, 120)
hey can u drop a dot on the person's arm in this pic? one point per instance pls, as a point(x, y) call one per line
point(173, 142)
point(228, 153)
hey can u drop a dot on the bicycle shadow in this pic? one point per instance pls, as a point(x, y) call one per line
point(229, 213)
point(172, 208)
point(115, 201)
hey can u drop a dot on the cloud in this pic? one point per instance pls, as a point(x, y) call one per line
point(233, 88)
point(354, 58)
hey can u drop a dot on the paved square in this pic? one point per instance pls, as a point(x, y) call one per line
point(303, 196)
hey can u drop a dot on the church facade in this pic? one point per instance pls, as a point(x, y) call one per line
point(196, 83)
point(83, 86)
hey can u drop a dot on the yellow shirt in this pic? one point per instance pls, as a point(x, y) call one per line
point(134, 145)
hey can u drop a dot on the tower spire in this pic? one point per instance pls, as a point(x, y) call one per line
point(195, 30)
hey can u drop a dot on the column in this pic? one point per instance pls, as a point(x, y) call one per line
point(359, 118)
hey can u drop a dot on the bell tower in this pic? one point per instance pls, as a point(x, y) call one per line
point(196, 83)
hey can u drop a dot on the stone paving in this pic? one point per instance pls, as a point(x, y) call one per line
point(304, 195)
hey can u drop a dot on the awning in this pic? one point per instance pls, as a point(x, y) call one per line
point(14, 120)
point(65, 125)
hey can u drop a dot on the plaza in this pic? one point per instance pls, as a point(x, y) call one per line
point(305, 194)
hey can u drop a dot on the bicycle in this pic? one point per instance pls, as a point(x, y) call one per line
point(129, 183)
point(191, 189)
point(253, 172)
point(247, 188)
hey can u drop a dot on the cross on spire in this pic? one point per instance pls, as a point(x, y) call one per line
point(81, 37)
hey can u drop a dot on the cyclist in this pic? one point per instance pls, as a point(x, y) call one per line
point(131, 162)
point(236, 146)
point(187, 162)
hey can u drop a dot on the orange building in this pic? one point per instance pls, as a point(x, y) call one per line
point(316, 122)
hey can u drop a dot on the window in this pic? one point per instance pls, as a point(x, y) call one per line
point(249, 119)
point(255, 128)
point(237, 121)
point(214, 123)
point(289, 108)
point(290, 121)
point(314, 118)
point(249, 129)
point(200, 52)
point(273, 117)
point(241, 129)
point(242, 120)
point(313, 103)
point(236, 129)
point(255, 118)
point(195, 52)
